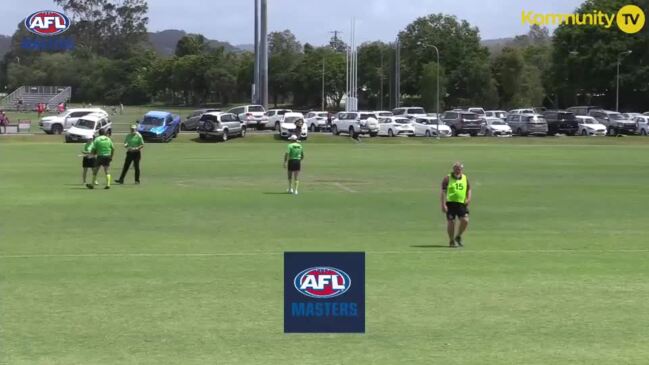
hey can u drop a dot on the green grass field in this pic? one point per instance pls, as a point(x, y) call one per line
point(187, 267)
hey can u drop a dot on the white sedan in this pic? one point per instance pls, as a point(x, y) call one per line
point(589, 126)
point(496, 127)
point(429, 127)
point(287, 125)
point(395, 126)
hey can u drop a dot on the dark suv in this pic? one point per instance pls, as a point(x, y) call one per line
point(561, 121)
point(463, 122)
point(582, 110)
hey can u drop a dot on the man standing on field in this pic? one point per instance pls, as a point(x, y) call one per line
point(455, 198)
point(293, 156)
point(103, 148)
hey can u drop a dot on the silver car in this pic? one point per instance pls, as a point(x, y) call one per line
point(191, 123)
point(220, 125)
point(526, 124)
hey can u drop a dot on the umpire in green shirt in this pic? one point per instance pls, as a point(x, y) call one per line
point(134, 145)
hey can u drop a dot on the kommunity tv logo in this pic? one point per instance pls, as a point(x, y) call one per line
point(629, 19)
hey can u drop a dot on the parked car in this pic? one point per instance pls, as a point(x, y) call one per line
point(409, 112)
point(430, 126)
point(462, 122)
point(395, 126)
point(355, 122)
point(645, 113)
point(57, 124)
point(561, 121)
point(477, 110)
point(288, 127)
point(583, 110)
point(631, 116)
point(191, 123)
point(615, 123)
point(589, 126)
point(526, 124)
point(497, 114)
point(159, 126)
point(220, 125)
point(642, 124)
point(274, 117)
point(253, 116)
point(316, 121)
point(522, 111)
point(383, 113)
point(88, 126)
point(494, 126)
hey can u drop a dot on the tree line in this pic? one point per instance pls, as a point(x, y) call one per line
point(112, 63)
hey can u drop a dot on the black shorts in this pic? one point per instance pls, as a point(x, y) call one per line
point(456, 210)
point(89, 162)
point(103, 161)
point(294, 165)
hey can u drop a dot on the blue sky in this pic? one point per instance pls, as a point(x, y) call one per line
point(312, 20)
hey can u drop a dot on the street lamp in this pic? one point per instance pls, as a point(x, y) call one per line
point(438, 65)
point(617, 87)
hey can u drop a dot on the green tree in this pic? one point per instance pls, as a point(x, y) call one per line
point(285, 54)
point(428, 87)
point(373, 73)
point(467, 73)
point(584, 62)
point(191, 44)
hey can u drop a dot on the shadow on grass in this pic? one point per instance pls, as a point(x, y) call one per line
point(430, 246)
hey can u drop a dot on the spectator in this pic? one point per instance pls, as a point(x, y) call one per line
point(39, 109)
point(4, 120)
point(19, 107)
point(60, 108)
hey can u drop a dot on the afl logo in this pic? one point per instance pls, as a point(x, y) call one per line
point(47, 23)
point(322, 282)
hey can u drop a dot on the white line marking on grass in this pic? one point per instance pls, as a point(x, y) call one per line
point(346, 188)
point(231, 254)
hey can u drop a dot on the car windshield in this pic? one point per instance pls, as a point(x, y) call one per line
point(291, 119)
point(366, 116)
point(416, 111)
point(477, 111)
point(385, 114)
point(616, 116)
point(148, 120)
point(85, 124)
point(256, 108)
point(568, 116)
point(470, 116)
point(323, 115)
point(402, 121)
point(497, 122)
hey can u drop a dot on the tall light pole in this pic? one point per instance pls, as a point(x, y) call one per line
point(617, 87)
point(381, 93)
point(438, 66)
point(323, 83)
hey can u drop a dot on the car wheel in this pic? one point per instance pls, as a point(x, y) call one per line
point(643, 132)
point(175, 133)
point(612, 131)
point(473, 134)
point(57, 129)
point(427, 134)
point(277, 127)
point(519, 132)
point(390, 133)
point(224, 137)
point(374, 134)
point(351, 131)
point(182, 127)
point(489, 133)
point(334, 130)
point(453, 132)
point(312, 127)
point(583, 132)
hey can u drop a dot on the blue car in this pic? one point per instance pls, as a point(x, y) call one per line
point(159, 126)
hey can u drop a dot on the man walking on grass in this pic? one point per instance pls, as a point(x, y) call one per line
point(455, 198)
point(134, 145)
point(293, 156)
point(103, 148)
